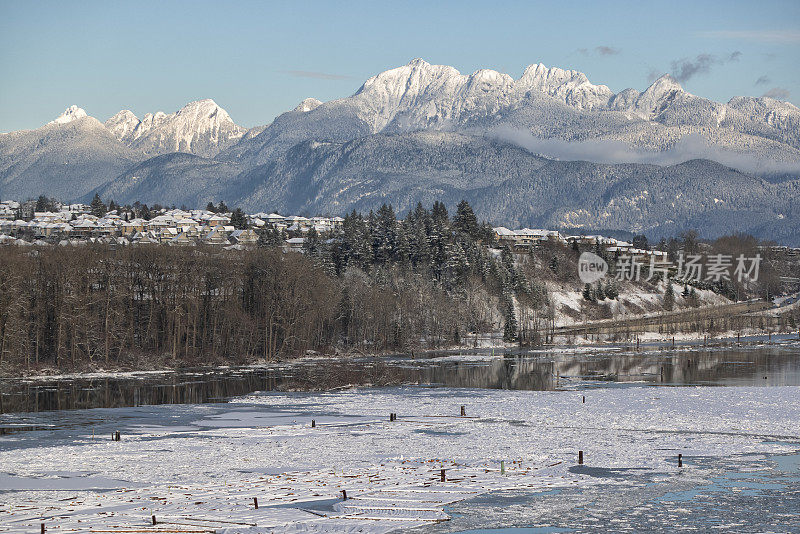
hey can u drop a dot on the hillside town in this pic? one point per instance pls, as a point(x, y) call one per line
point(74, 224)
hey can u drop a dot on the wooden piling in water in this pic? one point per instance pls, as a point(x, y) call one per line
point(42, 528)
point(580, 457)
point(463, 411)
point(255, 502)
point(344, 495)
point(584, 399)
point(153, 519)
point(313, 423)
point(442, 475)
point(680, 460)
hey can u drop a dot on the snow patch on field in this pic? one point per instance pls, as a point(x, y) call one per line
point(205, 472)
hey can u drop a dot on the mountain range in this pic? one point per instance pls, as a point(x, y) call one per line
point(546, 149)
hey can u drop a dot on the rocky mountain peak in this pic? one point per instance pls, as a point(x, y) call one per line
point(72, 113)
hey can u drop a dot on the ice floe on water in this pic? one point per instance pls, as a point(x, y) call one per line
point(199, 468)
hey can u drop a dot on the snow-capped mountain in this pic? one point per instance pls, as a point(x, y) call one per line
point(64, 158)
point(75, 152)
point(547, 103)
point(201, 128)
point(421, 95)
point(72, 113)
point(422, 131)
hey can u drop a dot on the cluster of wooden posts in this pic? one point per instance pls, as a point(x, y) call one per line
point(392, 417)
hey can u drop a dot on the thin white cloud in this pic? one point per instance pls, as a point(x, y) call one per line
point(689, 147)
point(778, 93)
point(607, 50)
point(601, 50)
point(763, 36)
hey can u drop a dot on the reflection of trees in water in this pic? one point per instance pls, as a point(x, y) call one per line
point(195, 389)
point(780, 364)
point(501, 373)
point(688, 367)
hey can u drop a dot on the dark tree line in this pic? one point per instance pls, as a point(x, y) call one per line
point(92, 305)
point(378, 284)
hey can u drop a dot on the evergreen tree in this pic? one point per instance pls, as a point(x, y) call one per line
point(599, 294)
point(210, 207)
point(44, 204)
point(510, 328)
point(403, 249)
point(465, 220)
point(222, 208)
point(270, 237)
point(144, 213)
point(112, 206)
point(457, 262)
point(439, 214)
point(669, 296)
point(507, 257)
point(640, 242)
point(97, 208)
point(588, 294)
point(419, 238)
point(239, 219)
point(384, 237)
point(311, 243)
point(611, 290)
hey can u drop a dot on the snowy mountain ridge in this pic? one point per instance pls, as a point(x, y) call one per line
point(428, 95)
point(544, 102)
point(423, 132)
point(201, 127)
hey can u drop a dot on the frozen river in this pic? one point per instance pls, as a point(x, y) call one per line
point(511, 462)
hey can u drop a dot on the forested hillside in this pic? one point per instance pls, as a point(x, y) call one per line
point(378, 284)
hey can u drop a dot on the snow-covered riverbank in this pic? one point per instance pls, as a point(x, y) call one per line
point(199, 467)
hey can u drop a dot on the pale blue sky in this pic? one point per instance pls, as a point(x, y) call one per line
point(258, 59)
